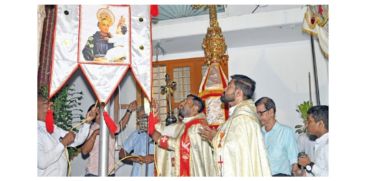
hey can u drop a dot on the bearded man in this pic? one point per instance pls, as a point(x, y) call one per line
point(238, 144)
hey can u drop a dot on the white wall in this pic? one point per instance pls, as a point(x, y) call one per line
point(281, 73)
point(78, 164)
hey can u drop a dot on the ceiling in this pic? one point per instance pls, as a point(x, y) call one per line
point(171, 14)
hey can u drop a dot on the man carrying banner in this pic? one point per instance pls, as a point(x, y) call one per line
point(90, 148)
point(52, 156)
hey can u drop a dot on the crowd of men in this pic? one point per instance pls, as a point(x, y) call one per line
point(251, 142)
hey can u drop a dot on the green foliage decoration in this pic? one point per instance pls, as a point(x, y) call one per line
point(302, 109)
point(65, 106)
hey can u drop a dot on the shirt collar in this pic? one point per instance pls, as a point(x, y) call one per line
point(141, 131)
point(231, 110)
point(324, 138)
point(248, 102)
point(188, 119)
point(276, 125)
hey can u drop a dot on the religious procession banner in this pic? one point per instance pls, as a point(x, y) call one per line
point(104, 41)
point(212, 86)
point(316, 23)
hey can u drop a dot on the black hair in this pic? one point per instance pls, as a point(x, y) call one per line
point(198, 101)
point(246, 84)
point(320, 113)
point(268, 103)
point(90, 108)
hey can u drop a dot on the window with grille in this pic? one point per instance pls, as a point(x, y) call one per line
point(181, 75)
point(159, 73)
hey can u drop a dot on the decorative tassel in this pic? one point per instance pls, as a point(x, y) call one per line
point(154, 11)
point(49, 121)
point(110, 123)
point(152, 121)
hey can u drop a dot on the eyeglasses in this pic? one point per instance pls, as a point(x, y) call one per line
point(143, 118)
point(260, 113)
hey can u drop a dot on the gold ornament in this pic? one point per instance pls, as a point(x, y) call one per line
point(214, 44)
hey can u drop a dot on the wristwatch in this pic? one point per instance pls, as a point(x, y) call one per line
point(309, 168)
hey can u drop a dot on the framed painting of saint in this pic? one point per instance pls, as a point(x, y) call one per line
point(104, 36)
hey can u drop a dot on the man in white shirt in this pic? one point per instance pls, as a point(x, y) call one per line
point(52, 155)
point(318, 125)
point(306, 145)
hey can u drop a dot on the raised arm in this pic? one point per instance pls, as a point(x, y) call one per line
point(88, 145)
point(125, 119)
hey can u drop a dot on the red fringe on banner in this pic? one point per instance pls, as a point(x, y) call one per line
point(154, 11)
point(49, 121)
point(110, 123)
point(151, 123)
